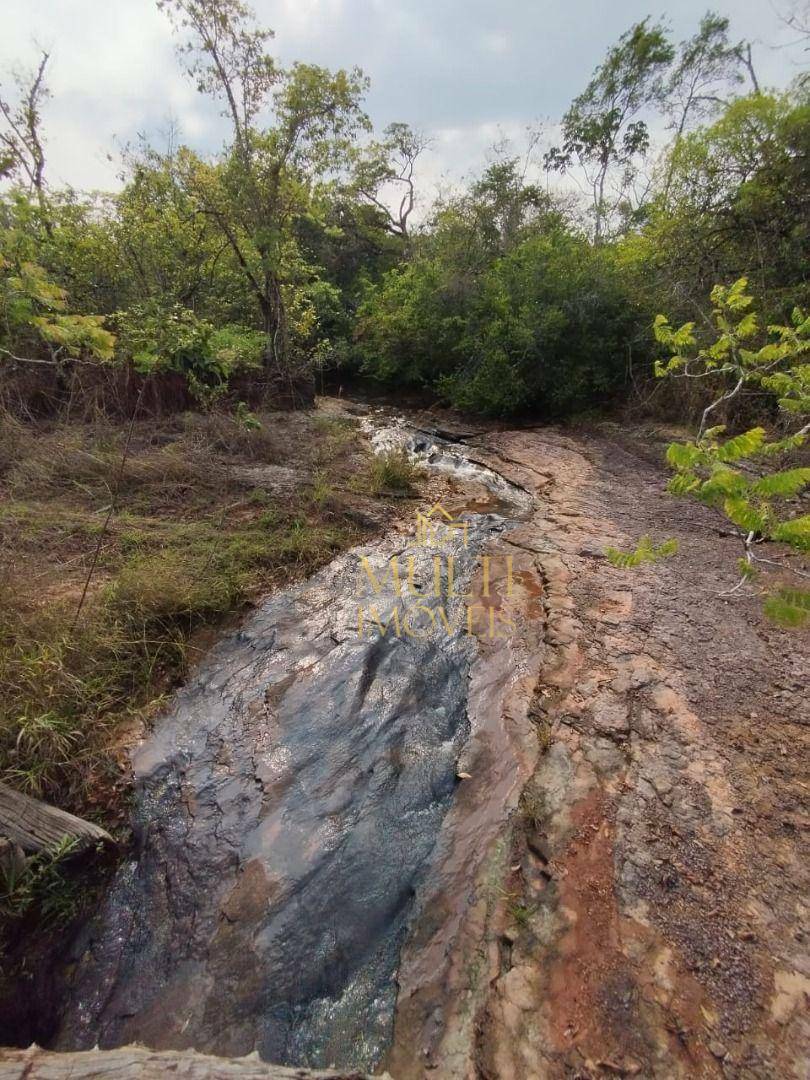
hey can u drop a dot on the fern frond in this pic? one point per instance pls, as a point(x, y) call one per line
point(791, 442)
point(782, 485)
point(684, 455)
point(795, 532)
point(683, 483)
point(739, 510)
point(742, 446)
point(644, 552)
point(723, 483)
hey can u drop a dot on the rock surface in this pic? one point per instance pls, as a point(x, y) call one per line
point(647, 917)
point(287, 806)
point(573, 849)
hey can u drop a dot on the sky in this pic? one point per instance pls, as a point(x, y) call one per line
point(465, 72)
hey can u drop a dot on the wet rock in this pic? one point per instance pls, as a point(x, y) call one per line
point(288, 806)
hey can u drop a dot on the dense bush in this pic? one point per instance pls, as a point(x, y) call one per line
point(543, 327)
point(158, 339)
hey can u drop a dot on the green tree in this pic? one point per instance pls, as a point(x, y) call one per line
point(34, 313)
point(737, 201)
point(603, 131)
point(265, 177)
point(22, 154)
point(502, 307)
point(740, 475)
point(706, 65)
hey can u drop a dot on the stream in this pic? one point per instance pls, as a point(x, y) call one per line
point(287, 807)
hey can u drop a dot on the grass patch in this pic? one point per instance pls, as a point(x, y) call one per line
point(43, 881)
point(63, 686)
point(532, 809)
point(188, 545)
point(521, 914)
point(192, 541)
point(392, 473)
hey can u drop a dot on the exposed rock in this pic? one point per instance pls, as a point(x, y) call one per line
point(647, 951)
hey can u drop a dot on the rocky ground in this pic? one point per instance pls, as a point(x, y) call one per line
point(647, 918)
point(618, 887)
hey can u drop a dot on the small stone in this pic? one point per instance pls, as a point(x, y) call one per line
point(717, 1049)
point(589, 551)
point(464, 776)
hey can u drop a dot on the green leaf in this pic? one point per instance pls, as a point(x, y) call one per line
point(713, 433)
point(791, 442)
point(684, 455)
point(736, 298)
point(743, 514)
point(667, 548)
point(644, 552)
point(782, 485)
point(723, 483)
point(742, 446)
point(683, 483)
point(795, 532)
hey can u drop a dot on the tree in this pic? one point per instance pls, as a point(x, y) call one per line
point(704, 66)
point(738, 474)
point(602, 130)
point(265, 176)
point(737, 201)
point(167, 249)
point(34, 315)
point(797, 16)
point(22, 152)
point(502, 204)
point(390, 164)
point(502, 307)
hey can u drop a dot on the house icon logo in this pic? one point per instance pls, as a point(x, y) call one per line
point(437, 527)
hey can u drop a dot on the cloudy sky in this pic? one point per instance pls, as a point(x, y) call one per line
point(464, 71)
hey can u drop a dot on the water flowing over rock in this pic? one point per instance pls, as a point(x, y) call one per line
point(286, 808)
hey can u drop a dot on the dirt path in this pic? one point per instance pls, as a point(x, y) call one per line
point(648, 917)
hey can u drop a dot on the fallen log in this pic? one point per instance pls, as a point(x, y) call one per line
point(138, 1063)
point(35, 826)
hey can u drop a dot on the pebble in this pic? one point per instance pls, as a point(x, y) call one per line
point(717, 1049)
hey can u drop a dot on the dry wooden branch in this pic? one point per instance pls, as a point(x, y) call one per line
point(35, 826)
point(131, 1062)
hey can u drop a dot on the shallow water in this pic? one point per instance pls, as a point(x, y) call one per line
point(286, 809)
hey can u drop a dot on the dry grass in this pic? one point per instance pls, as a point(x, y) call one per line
point(188, 544)
point(392, 473)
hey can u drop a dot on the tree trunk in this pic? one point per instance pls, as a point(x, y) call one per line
point(35, 826)
point(138, 1063)
point(285, 384)
point(276, 357)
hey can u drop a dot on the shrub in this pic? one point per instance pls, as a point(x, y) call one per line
point(393, 472)
point(159, 339)
point(544, 325)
